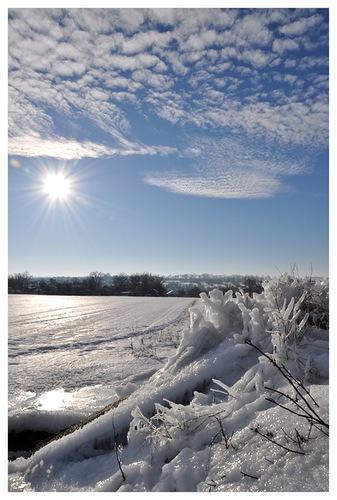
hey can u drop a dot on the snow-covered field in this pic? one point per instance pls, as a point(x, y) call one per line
point(69, 355)
point(240, 405)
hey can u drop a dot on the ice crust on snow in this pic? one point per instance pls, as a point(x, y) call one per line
point(173, 427)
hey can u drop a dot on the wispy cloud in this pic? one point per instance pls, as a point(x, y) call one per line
point(32, 146)
point(228, 168)
point(67, 149)
point(239, 185)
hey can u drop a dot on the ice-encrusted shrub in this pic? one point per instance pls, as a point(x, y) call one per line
point(315, 301)
point(240, 316)
point(172, 426)
point(221, 310)
point(167, 425)
point(210, 322)
point(288, 330)
point(293, 305)
point(276, 320)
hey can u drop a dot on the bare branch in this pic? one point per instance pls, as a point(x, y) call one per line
point(117, 451)
point(287, 375)
point(285, 408)
point(278, 444)
point(301, 385)
point(249, 475)
point(290, 399)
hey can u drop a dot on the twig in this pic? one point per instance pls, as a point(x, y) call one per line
point(227, 439)
point(214, 438)
point(212, 484)
point(288, 409)
point(117, 451)
point(289, 438)
point(290, 379)
point(291, 399)
point(309, 432)
point(207, 416)
point(278, 444)
point(301, 385)
point(249, 475)
point(321, 430)
point(300, 439)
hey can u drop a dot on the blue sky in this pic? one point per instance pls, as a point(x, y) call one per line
point(193, 140)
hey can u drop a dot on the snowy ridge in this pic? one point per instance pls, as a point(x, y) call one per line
point(221, 415)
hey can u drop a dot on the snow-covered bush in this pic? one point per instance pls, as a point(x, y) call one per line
point(276, 320)
point(315, 295)
point(169, 423)
point(223, 316)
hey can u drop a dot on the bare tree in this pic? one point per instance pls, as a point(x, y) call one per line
point(19, 281)
point(95, 281)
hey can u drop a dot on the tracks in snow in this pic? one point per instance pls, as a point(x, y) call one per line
point(157, 326)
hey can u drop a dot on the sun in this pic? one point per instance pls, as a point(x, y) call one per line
point(56, 186)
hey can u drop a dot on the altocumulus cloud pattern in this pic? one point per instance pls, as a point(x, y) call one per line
point(243, 92)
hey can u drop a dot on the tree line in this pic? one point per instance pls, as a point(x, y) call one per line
point(141, 284)
point(94, 284)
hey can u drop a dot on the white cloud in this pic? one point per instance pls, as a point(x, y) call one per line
point(313, 62)
point(56, 148)
point(201, 40)
point(145, 40)
point(131, 63)
point(290, 63)
point(186, 24)
point(227, 168)
point(252, 29)
point(124, 97)
point(99, 94)
point(290, 78)
point(130, 19)
point(68, 149)
point(38, 20)
point(301, 26)
point(113, 82)
point(152, 79)
point(240, 186)
point(256, 57)
point(221, 68)
point(202, 70)
point(68, 68)
point(174, 58)
point(281, 45)
point(24, 116)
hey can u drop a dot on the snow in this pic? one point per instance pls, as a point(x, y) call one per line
point(258, 457)
point(71, 356)
point(205, 419)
